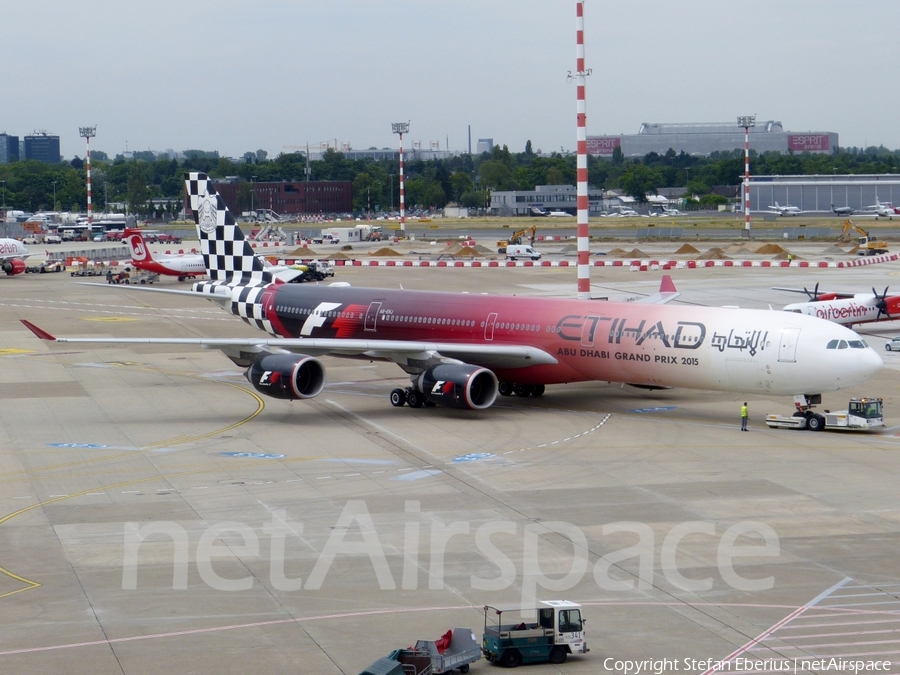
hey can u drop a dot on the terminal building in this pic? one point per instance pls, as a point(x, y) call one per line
point(546, 198)
point(706, 138)
point(818, 193)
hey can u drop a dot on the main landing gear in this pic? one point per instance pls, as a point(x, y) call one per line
point(411, 397)
point(523, 390)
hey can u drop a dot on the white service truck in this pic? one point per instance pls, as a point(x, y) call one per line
point(862, 414)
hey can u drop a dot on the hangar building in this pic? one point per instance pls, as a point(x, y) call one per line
point(706, 138)
point(819, 192)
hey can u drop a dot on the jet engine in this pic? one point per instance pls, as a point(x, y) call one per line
point(14, 266)
point(459, 386)
point(287, 376)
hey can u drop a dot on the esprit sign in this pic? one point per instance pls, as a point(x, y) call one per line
point(603, 145)
point(808, 142)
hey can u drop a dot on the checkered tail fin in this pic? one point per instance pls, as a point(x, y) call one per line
point(228, 256)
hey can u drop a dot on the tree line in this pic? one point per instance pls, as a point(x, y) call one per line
point(467, 179)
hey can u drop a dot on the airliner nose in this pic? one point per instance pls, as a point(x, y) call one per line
point(870, 362)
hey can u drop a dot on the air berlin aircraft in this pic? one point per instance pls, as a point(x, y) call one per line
point(844, 308)
point(12, 256)
point(185, 266)
point(462, 350)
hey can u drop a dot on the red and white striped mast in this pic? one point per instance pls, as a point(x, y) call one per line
point(584, 239)
point(401, 128)
point(88, 133)
point(747, 122)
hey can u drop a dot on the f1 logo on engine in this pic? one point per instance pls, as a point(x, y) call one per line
point(138, 250)
point(318, 316)
point(267, 378)
point(442, 387)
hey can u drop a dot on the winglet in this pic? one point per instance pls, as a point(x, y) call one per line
point(40, 332)
point(667, 285)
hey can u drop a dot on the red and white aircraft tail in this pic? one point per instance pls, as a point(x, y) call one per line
point(183, 266)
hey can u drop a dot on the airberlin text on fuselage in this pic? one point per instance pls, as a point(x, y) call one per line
point(846, 312)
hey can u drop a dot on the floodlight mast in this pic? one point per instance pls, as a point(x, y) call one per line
point(88, 133)
point(401, 128)
point(582, 202)
point(747, 121)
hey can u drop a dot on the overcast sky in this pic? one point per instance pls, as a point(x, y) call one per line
point(238, 75)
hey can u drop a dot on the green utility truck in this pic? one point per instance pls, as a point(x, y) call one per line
point(557, 632)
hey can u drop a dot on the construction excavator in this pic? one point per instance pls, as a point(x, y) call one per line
point(868, 245)
point(518, 237)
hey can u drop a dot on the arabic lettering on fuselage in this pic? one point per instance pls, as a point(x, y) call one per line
point(751, 340)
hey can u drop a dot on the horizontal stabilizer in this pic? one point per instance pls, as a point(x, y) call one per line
point(667, 292)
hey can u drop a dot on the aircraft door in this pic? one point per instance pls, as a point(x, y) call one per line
point(787, 348)
point(372, 316)
point(489, 326)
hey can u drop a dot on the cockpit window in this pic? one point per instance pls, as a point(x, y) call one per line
point(857, 344)
point(842, 344)
point(832, 345)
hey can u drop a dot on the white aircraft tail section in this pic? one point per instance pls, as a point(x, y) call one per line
point(228, 255)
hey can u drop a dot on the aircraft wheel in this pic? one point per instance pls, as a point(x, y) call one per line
point(430, 404)
point(398, 398)
point(180, 278)
point(505, 388)
point(511, 658)
point(538, 390)
point(522, 390)
point(815, 423)
point(415, 399)
point(557, 655)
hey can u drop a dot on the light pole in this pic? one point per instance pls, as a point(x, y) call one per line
point(253, 195)
point(747, 121)
point(401, 128)
point(582, 193)
point(88, 133)
point(54, 195)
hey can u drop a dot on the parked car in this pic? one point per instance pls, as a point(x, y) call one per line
point(893, 345)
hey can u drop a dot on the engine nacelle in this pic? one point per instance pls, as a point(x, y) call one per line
point(287, 376)
point(459, 386)
point(14, 266)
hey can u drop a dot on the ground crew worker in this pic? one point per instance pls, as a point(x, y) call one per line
point(790, 258)
point(744, 415)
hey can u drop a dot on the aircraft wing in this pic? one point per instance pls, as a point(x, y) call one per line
point(667, 293)
point(830, 295)
point(400, 351)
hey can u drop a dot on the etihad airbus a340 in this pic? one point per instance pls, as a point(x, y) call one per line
point(462, 350)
